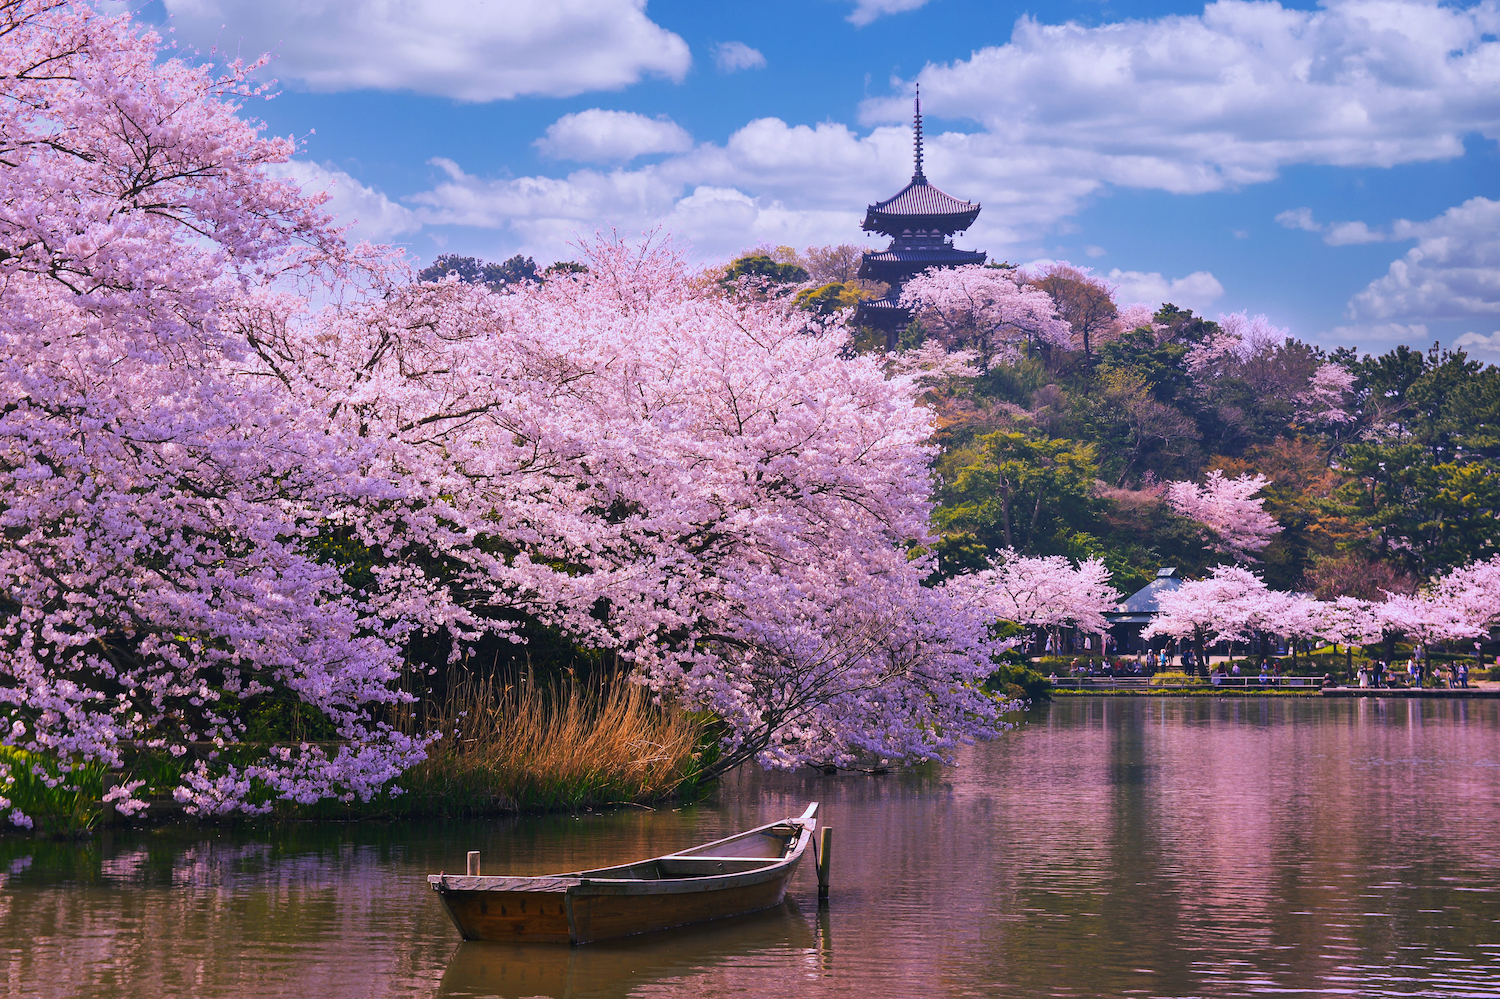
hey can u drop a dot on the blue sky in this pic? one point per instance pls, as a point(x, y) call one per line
point(1333, 166)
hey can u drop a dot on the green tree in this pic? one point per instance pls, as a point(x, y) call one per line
point(763, 268)
point(1010, 489)
point(830, 298)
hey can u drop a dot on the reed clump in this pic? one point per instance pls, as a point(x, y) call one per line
point(524, 748)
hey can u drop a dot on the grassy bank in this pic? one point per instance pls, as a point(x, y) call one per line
point(503, 750)
point(531, 750)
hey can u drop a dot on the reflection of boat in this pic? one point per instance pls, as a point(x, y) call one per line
point(727, 877)
point(619, 968)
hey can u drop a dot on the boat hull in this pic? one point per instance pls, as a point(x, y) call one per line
point(586, 913)
point(743, 873)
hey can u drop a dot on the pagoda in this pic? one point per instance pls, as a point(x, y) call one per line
point(921, 221)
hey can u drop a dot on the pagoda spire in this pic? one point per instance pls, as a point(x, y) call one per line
point(917, 177)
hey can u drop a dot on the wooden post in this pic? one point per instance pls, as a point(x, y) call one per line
point(825, 857)
point(473, 863)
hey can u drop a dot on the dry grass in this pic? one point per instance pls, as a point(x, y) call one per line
point(510, 749)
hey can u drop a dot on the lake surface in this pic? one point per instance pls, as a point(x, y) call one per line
point(1105, 848)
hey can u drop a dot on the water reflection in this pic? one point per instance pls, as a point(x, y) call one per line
point(753, 944)
point(1109, 847)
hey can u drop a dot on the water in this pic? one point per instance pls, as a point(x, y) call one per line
point(1107, 848)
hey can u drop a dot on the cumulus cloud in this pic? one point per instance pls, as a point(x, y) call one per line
point(1229, 97)
point(731, 57)
point(368, 212)
point(866, 11)
point(1452, 273)
point(465, 50)
point(1198, 291)
point(598, 136)
point(1298, 218)
point(1474, 343)
point(1064, 112)
point(1334, 233)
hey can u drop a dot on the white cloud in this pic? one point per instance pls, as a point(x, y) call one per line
point(1377, 338)
point(369, 213)
point(471, 51)
point(1352, 233)
point(598, 136)
point(733, 56)
point(1452, 273)
point(1473, 343)
point(1198, 291)
point(1177, 103)
point(866, 11)
point(1334, 233)
point(1299, 218)
point(1095, 251)
point(1229, 97)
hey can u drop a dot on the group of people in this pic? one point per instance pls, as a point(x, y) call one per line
point(1454, 676)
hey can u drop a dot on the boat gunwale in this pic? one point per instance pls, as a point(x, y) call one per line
point(572, 882)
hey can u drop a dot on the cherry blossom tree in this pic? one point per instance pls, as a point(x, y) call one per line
point(1237, 523)
point(991, 310)
point(242, 459)
point(1043, 593)
point(159, 510)
point(1349, 621)
point(758, 489)
point(1226, 605)
point(1327, 395)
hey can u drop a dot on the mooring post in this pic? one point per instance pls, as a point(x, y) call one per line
point(825, 858)
point(473, 863)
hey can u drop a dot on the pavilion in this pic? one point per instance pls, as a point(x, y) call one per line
point(921, 221)
point(1139, 609)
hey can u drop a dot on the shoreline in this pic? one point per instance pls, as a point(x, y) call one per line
point(1479, 693)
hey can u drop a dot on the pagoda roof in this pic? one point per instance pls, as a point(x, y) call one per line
point(909, 260)
point(919, 205)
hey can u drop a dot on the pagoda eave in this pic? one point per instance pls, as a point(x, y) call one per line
point(895, 224)
point(891, 266)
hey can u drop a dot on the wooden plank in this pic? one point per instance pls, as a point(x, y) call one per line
point(601, 917)
point(492, 915)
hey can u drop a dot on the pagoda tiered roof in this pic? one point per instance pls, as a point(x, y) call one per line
point(920, 207)
point(890, 265)
point(920, 219)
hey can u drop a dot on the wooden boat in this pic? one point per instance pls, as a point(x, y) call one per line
point(742, 873)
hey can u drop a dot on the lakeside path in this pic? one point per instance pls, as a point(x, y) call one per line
point(1477, 690)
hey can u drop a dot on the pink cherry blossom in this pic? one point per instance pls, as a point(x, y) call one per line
point(1238, 524)
point(991, 310)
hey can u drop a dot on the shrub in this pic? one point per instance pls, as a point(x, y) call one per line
point(1016, 681)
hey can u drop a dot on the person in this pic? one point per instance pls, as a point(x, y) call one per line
point(1264, 678)
point(1236, 669)
point(1411, 671)
point(1364, 676)
point(1463, 675)
point(1218, 677)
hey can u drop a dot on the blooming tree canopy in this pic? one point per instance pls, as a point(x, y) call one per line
point(990, 310)
point(1228, 604)
point(1044, 592)
point(1228, 508)
point(239, 458)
